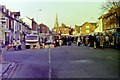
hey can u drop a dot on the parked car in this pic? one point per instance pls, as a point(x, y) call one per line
point(50, 41)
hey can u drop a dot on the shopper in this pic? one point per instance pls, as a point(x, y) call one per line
point(19, 44)
point(78, 41)
point(14, 44)
point(101, 41)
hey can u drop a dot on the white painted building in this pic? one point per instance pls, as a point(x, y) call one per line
point(2, 24)
point(99, 26)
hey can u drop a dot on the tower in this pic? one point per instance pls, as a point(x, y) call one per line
point(56, 26)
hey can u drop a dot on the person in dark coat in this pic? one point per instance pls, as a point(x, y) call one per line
point(98, 40)
point(94, 41)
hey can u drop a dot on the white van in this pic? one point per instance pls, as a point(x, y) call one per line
point(32, 41)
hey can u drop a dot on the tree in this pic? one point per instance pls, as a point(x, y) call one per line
point(112, 4)
point(109, 4)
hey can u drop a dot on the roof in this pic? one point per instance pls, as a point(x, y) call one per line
point(65, 27)
point(77, 26)
point(16, 13)
point(94, 24)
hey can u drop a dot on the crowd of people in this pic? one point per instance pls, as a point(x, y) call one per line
point(100, 40)
point(103, 40)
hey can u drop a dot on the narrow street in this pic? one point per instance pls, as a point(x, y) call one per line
point(63, 62)
point(59, 39)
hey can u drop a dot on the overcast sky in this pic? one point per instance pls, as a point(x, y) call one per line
point(70, 12)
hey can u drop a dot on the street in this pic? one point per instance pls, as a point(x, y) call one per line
point(63, 62)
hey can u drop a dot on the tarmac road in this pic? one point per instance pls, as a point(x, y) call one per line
point(64, 62)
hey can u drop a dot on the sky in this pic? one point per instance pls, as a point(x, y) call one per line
point(70, 12)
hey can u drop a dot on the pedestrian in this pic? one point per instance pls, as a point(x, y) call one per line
point(41, 42)
point(57, 41)
point(111, 41)
point(117, 38)
point(78, 41)
point(68, 40)
point(72, 39)
point(90, 40)
point(101, 41)
point(60, 42)
point(94, 41)
point(14, 44)
point(19, 44)
point(65, 40)
point(107, 41)
point(98, 40)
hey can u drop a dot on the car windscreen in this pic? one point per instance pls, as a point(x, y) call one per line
point(31, 37)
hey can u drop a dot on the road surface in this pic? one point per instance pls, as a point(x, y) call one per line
point(64, 62)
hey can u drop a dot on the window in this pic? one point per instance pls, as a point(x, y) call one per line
point(20, 28)
point(87, 31)
point(31, 37)
point(87, 26)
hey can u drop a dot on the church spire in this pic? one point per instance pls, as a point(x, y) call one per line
point(56, 26)
point(56, 22)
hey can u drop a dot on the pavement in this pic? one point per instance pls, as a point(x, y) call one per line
point(6, 68)
point(4, 49)
point(3, 68)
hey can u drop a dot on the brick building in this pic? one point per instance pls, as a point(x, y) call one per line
point(43, 28)
point(88, 28)
point(111, 20)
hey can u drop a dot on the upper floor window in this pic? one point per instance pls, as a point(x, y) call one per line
point(87, 26)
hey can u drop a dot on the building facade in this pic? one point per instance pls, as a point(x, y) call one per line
point(43, 29)
point(111, 19)
point(88, 28)
point(78, 29)
point(64, 29)
point(16, 24)
point(11, 26)
point(4, 24)
point(99, 27)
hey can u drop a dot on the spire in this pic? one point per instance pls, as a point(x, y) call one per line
point(56, 18)
point(56, 22)
point(56, 26)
